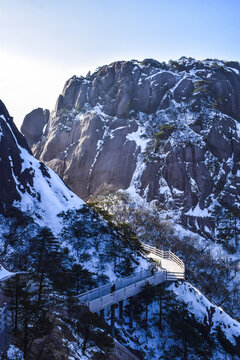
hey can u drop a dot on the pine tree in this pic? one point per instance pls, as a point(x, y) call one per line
point(91, 326)
point(46, 258)
point(30, 320)
point(188, 331)
point(160, 294)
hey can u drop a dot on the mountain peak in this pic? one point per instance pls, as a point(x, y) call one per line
point(167, 132)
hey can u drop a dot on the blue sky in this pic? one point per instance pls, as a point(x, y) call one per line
point(45, 42)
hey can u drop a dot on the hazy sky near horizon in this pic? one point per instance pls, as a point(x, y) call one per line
point(43, 43)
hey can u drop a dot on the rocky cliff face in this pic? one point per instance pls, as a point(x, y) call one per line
point(26, 184)
point(33, 125)
point(167, 132)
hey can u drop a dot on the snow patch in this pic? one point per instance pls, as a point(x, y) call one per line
point(137, 137)
point(197, 212)
point(4, 274)
point(14, 353)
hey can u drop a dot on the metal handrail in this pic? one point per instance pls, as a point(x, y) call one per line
point(119, 283)
point(130, 285)
point(164, 254)
point(126, 292)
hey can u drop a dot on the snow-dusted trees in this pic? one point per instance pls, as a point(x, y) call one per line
point(30, 319)
point(227, 227)
point(93, 329)
point(100, 242)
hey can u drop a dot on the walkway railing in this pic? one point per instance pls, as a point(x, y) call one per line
point(118, 284)
point(168, 255)
point(114, 292)
point(124, 293)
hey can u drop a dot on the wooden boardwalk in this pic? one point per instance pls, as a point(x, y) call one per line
point(169, 268)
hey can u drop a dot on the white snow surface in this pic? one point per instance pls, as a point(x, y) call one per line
point(54, 194)
point(198, 304)
point(238, 128)
point(198, 212)
point(14, 353)
point(136, 136)
point(4, 274)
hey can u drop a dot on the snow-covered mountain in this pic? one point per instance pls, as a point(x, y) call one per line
point(27, 185)
point(89, 252)
point(168, 132)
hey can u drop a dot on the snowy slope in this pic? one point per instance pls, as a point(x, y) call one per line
point(198, 305)
point(55, 197)
point(27, 184)
point(165, 342)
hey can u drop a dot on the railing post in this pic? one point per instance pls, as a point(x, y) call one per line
point(102, 314)
point(131, 313)
point(113, 320)
point(120, 310)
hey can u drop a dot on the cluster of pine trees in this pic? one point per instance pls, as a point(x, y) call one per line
point(53, 274)
point(227, 227)
point(160, 314)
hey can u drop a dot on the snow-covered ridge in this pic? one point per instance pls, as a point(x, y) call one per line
point(199, 305)
point(41, 193)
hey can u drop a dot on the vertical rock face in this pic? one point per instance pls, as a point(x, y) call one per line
point(33, 125)
point(169, 132)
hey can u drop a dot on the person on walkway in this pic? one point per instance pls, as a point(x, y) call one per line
point(153, 269)
point(113, 288)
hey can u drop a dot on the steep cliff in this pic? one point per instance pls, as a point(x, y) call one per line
point(27, 185)
point(169, 132)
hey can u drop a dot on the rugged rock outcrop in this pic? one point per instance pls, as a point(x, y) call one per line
point(168, 131)
point(25, 183)
point(33, 125)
